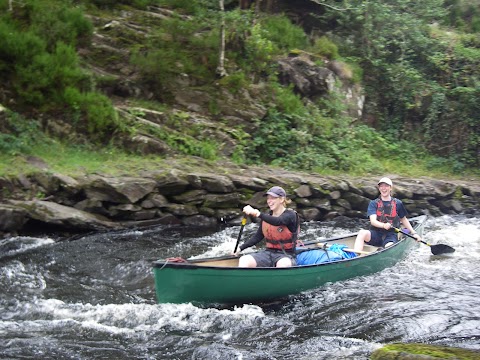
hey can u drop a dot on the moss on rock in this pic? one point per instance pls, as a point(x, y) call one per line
point(423, 351)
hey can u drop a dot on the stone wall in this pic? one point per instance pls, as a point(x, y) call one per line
point(192, 198)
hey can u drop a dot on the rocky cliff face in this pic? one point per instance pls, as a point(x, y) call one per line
point(213, 109)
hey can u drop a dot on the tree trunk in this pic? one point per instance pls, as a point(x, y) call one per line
point(269, 7)
point(221, 59)
point(245, 4)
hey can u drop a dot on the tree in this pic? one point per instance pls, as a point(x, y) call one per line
point(221, 72)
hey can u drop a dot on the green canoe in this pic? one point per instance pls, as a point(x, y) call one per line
point(219, 280)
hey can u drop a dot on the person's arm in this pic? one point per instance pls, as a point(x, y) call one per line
point(288, 217)
point(376, 223)
point(406, 224)
point(402, 214)
point(372, 215)
point(255, 239)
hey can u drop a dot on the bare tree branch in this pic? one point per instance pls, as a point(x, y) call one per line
point(319, 2)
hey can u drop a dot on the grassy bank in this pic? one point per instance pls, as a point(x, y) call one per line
point(66, 159)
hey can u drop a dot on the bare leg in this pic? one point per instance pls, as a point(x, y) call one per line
point(247, 261)
point(363, 236)
point(284, 262)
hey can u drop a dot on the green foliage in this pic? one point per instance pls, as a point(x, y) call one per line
point(17, 48)
point(139, 4)
point(316, 142)
point(286, 100)
point(354, 65)
point(285, 35)
point(234, 82)
point(408, 59)
point(255, 44)
point(192, 139)
point(18, 135)
point(46, 77)
point(178, 47)
point(54, 21)
point(58, 22)
point(420, 78)
point(197, 7)
point(40, 63)
point(445, 165)
point(463, 14)
point(259, 49)
point(100, 116)
point(187, 145)
point(325, 47)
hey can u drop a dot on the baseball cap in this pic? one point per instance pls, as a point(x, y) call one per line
point(386, 181)
point(276, 191)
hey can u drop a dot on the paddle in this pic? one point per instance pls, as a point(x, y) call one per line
point(244, 221)
point(436, 249)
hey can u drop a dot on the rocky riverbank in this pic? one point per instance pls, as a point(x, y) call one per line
point(208, 197)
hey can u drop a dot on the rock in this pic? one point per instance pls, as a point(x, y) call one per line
point(415, 351)
point(211, 182)
point(184, 197)
point(170, 183)
point(146, 145)
point(63, 216)
point(307, 78)
point(12, 218)
point(356, 201)
point(192, 197)
point(310, 214)
point(154, 200)
point(303, 191)
point(118, 190)
point(218, 201)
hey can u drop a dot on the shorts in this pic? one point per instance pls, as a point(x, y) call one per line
point(269, 258)
point(381, 238)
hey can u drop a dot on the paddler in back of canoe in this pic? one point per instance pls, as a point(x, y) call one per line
point(385, 213)
point(279, 228)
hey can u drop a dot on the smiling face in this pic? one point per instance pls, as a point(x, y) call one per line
point(384, 189)
point(275, 203)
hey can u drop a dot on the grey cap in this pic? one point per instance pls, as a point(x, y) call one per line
point(276, 191)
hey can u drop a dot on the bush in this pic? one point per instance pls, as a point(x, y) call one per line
point(325, 47)
point(101, 117)
point(285, 35)
point(19, 135)
point(178, 47)
point(43, 81)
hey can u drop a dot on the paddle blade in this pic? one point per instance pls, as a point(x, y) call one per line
point(441, 249)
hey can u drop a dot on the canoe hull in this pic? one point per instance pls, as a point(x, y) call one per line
point(190, 282)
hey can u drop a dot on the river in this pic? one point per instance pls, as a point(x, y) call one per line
point(92, 297)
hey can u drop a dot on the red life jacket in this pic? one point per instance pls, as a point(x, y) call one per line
point(279, 237)
point(387, 213)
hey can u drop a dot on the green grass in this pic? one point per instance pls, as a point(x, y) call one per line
point(75, 160)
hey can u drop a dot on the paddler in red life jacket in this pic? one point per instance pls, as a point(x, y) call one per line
point(384, 213)
point(279, 228)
